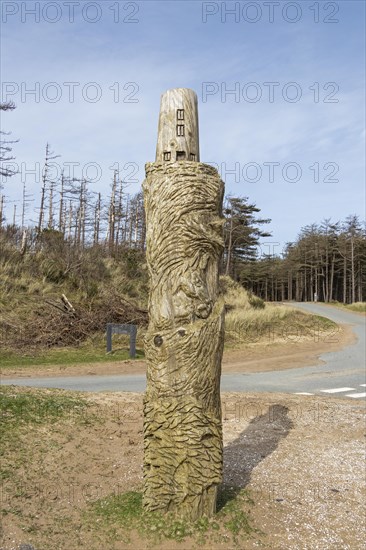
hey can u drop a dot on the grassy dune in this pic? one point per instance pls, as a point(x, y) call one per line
point(357, 306)
point(37, 328)
point(250, 320)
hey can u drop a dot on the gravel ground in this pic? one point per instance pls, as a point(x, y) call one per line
point(301, 459)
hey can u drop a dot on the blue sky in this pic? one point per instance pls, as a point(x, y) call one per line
point(291, 137)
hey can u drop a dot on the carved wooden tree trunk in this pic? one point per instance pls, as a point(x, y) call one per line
point(184, 341)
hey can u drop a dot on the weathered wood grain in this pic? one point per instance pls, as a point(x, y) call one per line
point(184, 340)
point(185, 147)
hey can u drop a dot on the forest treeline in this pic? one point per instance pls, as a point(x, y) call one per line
point(72, 223)
point(327, 262)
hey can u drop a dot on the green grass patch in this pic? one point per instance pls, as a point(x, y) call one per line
point(21, 408)
point(323, 321)
point(121, 515)
point(65, 356)
point(275, 323)
point(357, 306)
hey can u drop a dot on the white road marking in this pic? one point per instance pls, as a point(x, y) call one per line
point(364, 385)
point(303, 393)
point(356, 395)
point(338, 390)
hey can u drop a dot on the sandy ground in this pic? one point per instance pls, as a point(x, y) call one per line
point(259, 357)
point(301, 458)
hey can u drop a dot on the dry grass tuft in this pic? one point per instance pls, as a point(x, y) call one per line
point(249, 319)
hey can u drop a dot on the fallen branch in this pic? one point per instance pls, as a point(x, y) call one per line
point(67, 304)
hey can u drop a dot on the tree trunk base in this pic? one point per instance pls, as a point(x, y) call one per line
point(184, 341)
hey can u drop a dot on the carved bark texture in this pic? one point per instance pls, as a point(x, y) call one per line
point(184, 341)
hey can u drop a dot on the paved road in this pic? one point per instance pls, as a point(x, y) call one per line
point(342, 374)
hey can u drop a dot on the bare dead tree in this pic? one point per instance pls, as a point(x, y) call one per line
point(26, 200)
point(45, 182)
point(50, 208)
point(2, 202)
point(112, 213)
point(119, 212)
point(82, 207)
point(126, 236)
point(61, 216)
point(97, 210)
point(15, 215)
point(70, 215)
point(80, 203)
point(6, 171)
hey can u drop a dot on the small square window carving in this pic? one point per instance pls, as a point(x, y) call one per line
point(192, 156)
point(180, 114)
point(181, 155)
point(166, 155)
point(180, 129)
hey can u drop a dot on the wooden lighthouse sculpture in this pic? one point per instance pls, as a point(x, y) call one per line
point(184, 341)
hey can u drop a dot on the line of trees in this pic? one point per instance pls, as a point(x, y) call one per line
point(83, 217)
point(327, 262)
point(242, 234)
point(68, 206)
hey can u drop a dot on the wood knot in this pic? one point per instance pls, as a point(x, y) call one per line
point(158, 340)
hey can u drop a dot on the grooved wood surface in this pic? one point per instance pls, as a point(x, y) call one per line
point(184, 340)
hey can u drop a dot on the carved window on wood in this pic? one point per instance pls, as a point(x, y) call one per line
point(180, 129)
point(181, 155)
point(180, 114)
point(166, 155)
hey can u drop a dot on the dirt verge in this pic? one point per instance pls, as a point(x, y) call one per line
point(300, 458)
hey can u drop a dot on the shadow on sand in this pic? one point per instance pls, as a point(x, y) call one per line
point(262, 436)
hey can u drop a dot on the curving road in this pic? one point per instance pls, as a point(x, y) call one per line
point(341, 375)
